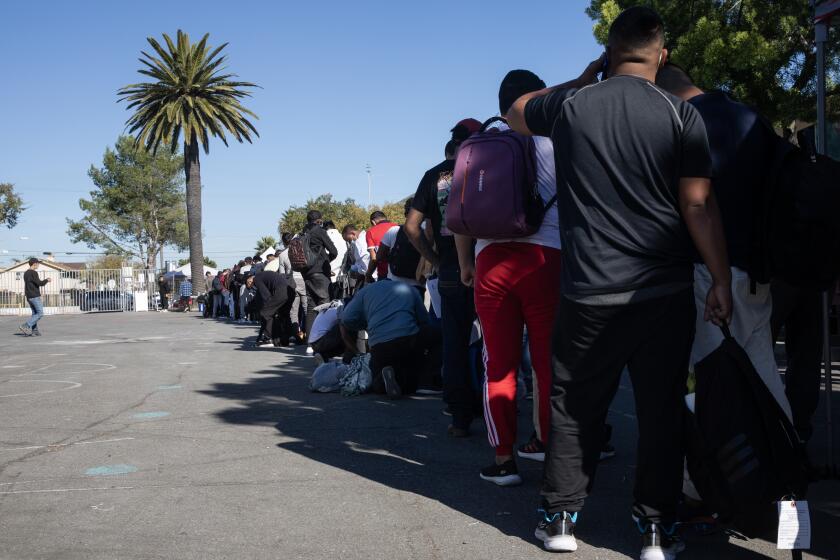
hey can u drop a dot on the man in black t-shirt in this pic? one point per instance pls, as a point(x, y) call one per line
point(632, 178)
point(457, 307)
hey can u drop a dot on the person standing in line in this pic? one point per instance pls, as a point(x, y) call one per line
point(32, 291)
point(741, 143)
point(317, 278)
point(163, 291)
point(457, 307)
point(515, 282)
point(359, 256)
point(274, 297)
point(633, 167)
point(379, 227)
point(298, 306)
point(340, 246)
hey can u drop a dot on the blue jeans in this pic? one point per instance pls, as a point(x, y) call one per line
point(37, 312)
point(460, 390)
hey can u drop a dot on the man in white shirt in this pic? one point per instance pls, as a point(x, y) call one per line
point(340, 246)
point(358, 254)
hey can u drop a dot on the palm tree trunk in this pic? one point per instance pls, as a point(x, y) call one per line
point(193, 172)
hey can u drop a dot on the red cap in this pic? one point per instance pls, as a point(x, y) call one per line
point(464, 128)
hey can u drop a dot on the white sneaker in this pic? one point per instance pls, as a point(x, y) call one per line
point(309, 351)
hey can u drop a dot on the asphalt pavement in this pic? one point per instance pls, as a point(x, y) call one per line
point(165, 436)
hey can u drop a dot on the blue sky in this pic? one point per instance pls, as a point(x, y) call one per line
point(343, 84)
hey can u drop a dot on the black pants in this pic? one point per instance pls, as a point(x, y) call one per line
point(331, 345)
point(413, 358)
point(800, 312)
point(274, 320)
point(460, 390)
point(591, 346)
point(164, 302)
point(317, 292)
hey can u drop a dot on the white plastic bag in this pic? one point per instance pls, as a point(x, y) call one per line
point(327, 377)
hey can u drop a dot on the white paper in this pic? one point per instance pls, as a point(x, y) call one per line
point(794, 526)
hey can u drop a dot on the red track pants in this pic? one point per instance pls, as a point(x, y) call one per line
point(516, 285)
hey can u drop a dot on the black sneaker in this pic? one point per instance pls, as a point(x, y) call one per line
point(264, 343)
point(505, 474)
point(25, 329)
point(557, 531)
point(607, 452)
point(534, 450)
point(659, 542)
point(36, 332)
point(392, 388)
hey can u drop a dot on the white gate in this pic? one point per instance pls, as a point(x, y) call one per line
point(81, 291)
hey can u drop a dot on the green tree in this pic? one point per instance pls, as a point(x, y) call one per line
point(763, 53)
point(264, 244)
point(395, 211)
point(341, 212)
point(11, 205)
point(190, 94)
point(138, 205)
point(207, 261)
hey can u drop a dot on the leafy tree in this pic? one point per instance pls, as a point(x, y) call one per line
point(341, 212)
point(11, 205)
point(763, 53)
point(190, 94)
point(207, 261)
point(107, 262)
point(264, 244)
point(138, 205)
point(395, 211)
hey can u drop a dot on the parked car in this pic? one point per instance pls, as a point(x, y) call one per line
point(107, 300)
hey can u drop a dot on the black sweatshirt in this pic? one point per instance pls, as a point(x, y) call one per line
point(272, 287)
point(32, 284)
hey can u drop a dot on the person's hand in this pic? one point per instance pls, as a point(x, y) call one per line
point(468, 275)
point(719, 304)
point(590, 75)
point(48, 280)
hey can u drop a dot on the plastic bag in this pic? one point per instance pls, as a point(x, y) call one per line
point(326, 377)
point(358, 378)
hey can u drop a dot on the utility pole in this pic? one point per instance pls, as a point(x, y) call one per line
point(370, 183)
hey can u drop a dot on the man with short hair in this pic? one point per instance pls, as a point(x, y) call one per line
point(359, 256)
point(406, 256)
point(633, 168)
point(340, 246)
point(379, 226)
point(32, 291)
point(741, 145)
point(317, 278)
point(457, 307)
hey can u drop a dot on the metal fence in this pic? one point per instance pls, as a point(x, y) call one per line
point(81, 291)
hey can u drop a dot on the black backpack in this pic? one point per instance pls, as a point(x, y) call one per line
point(743, 453)
point(796, 224)
point(403, 258)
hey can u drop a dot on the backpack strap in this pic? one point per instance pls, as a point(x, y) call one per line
point(490, 121)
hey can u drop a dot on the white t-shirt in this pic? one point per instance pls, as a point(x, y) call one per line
point(388, 240)
point(360, 255)
point(341, 247)
point(322, 324)
point(549, 233)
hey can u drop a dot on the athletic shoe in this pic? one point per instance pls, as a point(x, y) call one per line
point(264, 343)
point(607, 451)
point(538, 455)
point(447, 411)
point(457, 432)
point(505, 474)
point(659, 542)
point(392, 388)
point(319, 359)
point(429, 391)
point(36, 332)
point(25, 329)
point(557, 531)
point(309, 351)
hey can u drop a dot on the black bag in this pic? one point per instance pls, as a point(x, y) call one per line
point(796, 222)
point(403, 258)
point(743, 453)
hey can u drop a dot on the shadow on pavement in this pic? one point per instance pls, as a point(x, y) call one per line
point(403, 445)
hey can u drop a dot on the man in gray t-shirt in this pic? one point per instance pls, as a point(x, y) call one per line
point(633, 188)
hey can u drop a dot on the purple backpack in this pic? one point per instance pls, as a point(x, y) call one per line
point(494, 191)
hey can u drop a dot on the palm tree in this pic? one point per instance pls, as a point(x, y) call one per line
point(264, 244)
point(192, 95)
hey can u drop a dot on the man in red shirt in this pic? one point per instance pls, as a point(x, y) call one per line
point(380, 226)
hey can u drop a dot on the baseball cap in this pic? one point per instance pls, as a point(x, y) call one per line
point(464, 128)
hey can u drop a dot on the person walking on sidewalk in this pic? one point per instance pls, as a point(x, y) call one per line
point(32, 290)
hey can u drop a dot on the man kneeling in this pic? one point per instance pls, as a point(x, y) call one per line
point(403, 345)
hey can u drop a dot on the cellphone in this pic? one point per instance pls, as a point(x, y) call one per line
point(605, 66)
